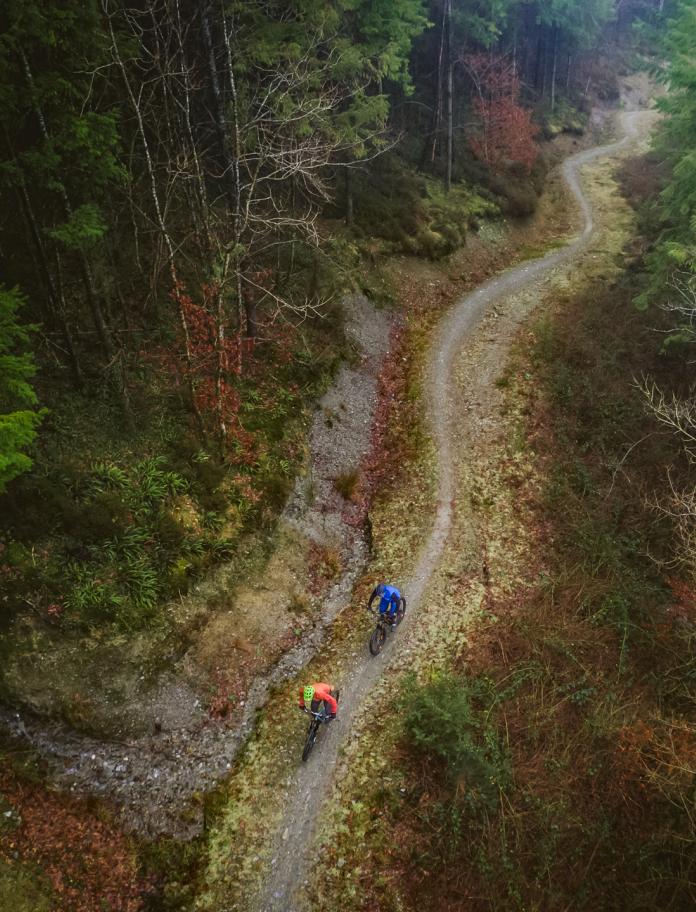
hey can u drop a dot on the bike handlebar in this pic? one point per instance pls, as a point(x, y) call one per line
point(310, 712)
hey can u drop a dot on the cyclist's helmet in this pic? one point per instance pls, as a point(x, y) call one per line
point(308, 694)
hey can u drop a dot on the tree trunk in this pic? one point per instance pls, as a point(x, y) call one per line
point(176, 287)
point(431, 143)
point(55, 296)
point(540, 59)
point(349, 197)
point(450, 67)
point(222, 365)
point(554, 68)
point(67, 333)
point(97, 313)
point(85, 270)
point(237, 225)
point(544, 65)
point(219, 118)
point(252, 328)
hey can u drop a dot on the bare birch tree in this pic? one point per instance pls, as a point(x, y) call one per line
point(677, 415)
point(236, 148)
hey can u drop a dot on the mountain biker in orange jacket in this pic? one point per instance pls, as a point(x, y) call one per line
point(316, 694)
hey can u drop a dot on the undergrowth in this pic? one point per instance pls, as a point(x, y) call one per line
point(58, 853)
point(448, 720)
point(575, 696)
point(112, 522)
point(411, 213)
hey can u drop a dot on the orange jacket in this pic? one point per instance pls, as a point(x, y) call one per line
point(322, 692)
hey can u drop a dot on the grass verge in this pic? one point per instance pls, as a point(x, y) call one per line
point(551, 764)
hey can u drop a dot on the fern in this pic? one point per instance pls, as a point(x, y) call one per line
point(91, 594)
point(108, 477)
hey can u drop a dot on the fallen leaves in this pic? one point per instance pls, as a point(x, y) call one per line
point(89, 864)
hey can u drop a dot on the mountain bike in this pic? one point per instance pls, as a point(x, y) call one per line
point(314, 725)
point(379, 634)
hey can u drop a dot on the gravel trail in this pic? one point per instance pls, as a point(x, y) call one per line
point(292, 852)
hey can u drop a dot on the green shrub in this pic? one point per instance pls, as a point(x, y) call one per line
point(91, 597)
point(387, 199)
point(565, 118)
point(177, 580)
point(277, 487)
point(170, 532)
point(128, 540)
point(448, 719)
point(518, 190)
point(98, 519)
point(411, 212)
point(208, 473)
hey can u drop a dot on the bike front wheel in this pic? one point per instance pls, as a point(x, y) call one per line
point(401, 610)
point(311, 738)
point(379, 635)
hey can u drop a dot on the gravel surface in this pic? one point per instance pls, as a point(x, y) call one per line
point(152, 779)
point(451, 426)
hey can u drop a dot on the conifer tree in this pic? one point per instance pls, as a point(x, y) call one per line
point(18, 417)
point(677, 141)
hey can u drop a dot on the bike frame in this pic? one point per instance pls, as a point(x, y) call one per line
point(384, 624)
point(313, 730)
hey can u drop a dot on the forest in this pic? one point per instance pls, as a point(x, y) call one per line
point(206, 209)
point(174, 182)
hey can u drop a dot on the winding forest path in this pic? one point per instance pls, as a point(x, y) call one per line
point(291, 856)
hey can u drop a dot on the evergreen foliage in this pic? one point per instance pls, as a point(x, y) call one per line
point(163, 169)
point(676, 142)
point(18, 422)
point(447, 719)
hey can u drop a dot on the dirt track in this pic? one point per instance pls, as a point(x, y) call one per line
point(307, 789)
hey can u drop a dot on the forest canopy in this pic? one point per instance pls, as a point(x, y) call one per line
point(186, 192)
point(164, 164)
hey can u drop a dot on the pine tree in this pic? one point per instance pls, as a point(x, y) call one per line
point(18, 423)
point(677, 141)
point(58, 161)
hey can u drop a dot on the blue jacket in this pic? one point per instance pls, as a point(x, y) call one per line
point(389, 598)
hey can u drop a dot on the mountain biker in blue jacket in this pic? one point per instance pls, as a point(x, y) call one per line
point(389, 599)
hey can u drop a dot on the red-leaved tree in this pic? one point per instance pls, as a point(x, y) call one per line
point(206, 360)
point(507, 132)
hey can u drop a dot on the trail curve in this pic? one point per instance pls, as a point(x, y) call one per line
point(309, 786)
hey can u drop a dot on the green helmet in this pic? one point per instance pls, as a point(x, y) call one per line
point(308, 693)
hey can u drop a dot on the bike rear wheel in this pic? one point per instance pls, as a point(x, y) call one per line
point(311, 738)
point(379, 635)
